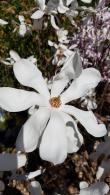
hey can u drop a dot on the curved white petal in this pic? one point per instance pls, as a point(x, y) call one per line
point(68, 2)
point(83, 184)
point(22, 29)
point(89, 79)
point(53, 23)
point(21, 18)
point(72, 68)
point(3, 22)
point(99, 188)
point(103, 169)
point(61, 8)
point(87, 119)
point(37, 15)
point(41, 4)
point(14, 55)
point(53, 147)
point(100, 172)
point(35, 188)
point(29, 75)
point(58, 86)
point(33, 174)
point(11, 161)
point(86, 1)
point(15, 100)
point(31, 131)
point(74, 138)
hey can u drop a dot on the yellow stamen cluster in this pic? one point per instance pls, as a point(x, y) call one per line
point(55, 102)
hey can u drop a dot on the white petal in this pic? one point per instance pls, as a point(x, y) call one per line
point(41, 4)
point(29, 75)
point(86, 1)
point(21, 18)
point(74, 138)
point(15, 100)
point(89, 79)
point(58, 86)
point(87, 119)
point(71, 69)
point(68, 2)
point(73, 66)
point(100, 172)
point(103, 169)
point(3, 22)
point(61, 8)
point(30, 133)
point(35, 188)
point(83, 185)
point(14, 55)
point(37, 15)
point(53, 23)
point(50, 43)
point(32, 59)
point(12, 161)
point(22, 29)
point(53, 147)
point(33, 174)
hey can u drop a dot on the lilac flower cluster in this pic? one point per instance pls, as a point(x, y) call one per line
point(93, 38)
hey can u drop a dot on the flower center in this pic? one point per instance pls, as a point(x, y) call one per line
point(55, 102)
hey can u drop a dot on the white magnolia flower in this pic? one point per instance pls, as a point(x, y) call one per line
point(3, 22)
point(61, 33)
point(23, 28)
point(72, 12)
point(52, 127)
point(15, 57)
point(62, 8)
point(62, 53)
point(99, 188)
point(10, 162)
point(39, 13)
point(51, 8)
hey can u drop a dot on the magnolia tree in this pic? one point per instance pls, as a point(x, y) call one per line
point(52, 103)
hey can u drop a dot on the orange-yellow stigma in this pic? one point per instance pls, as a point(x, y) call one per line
point(55, 102)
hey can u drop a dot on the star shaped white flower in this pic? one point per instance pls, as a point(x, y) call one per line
point(52, 127)
point(62, 53)
point(23, 27)
point(61, 33)
point(50, 8)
